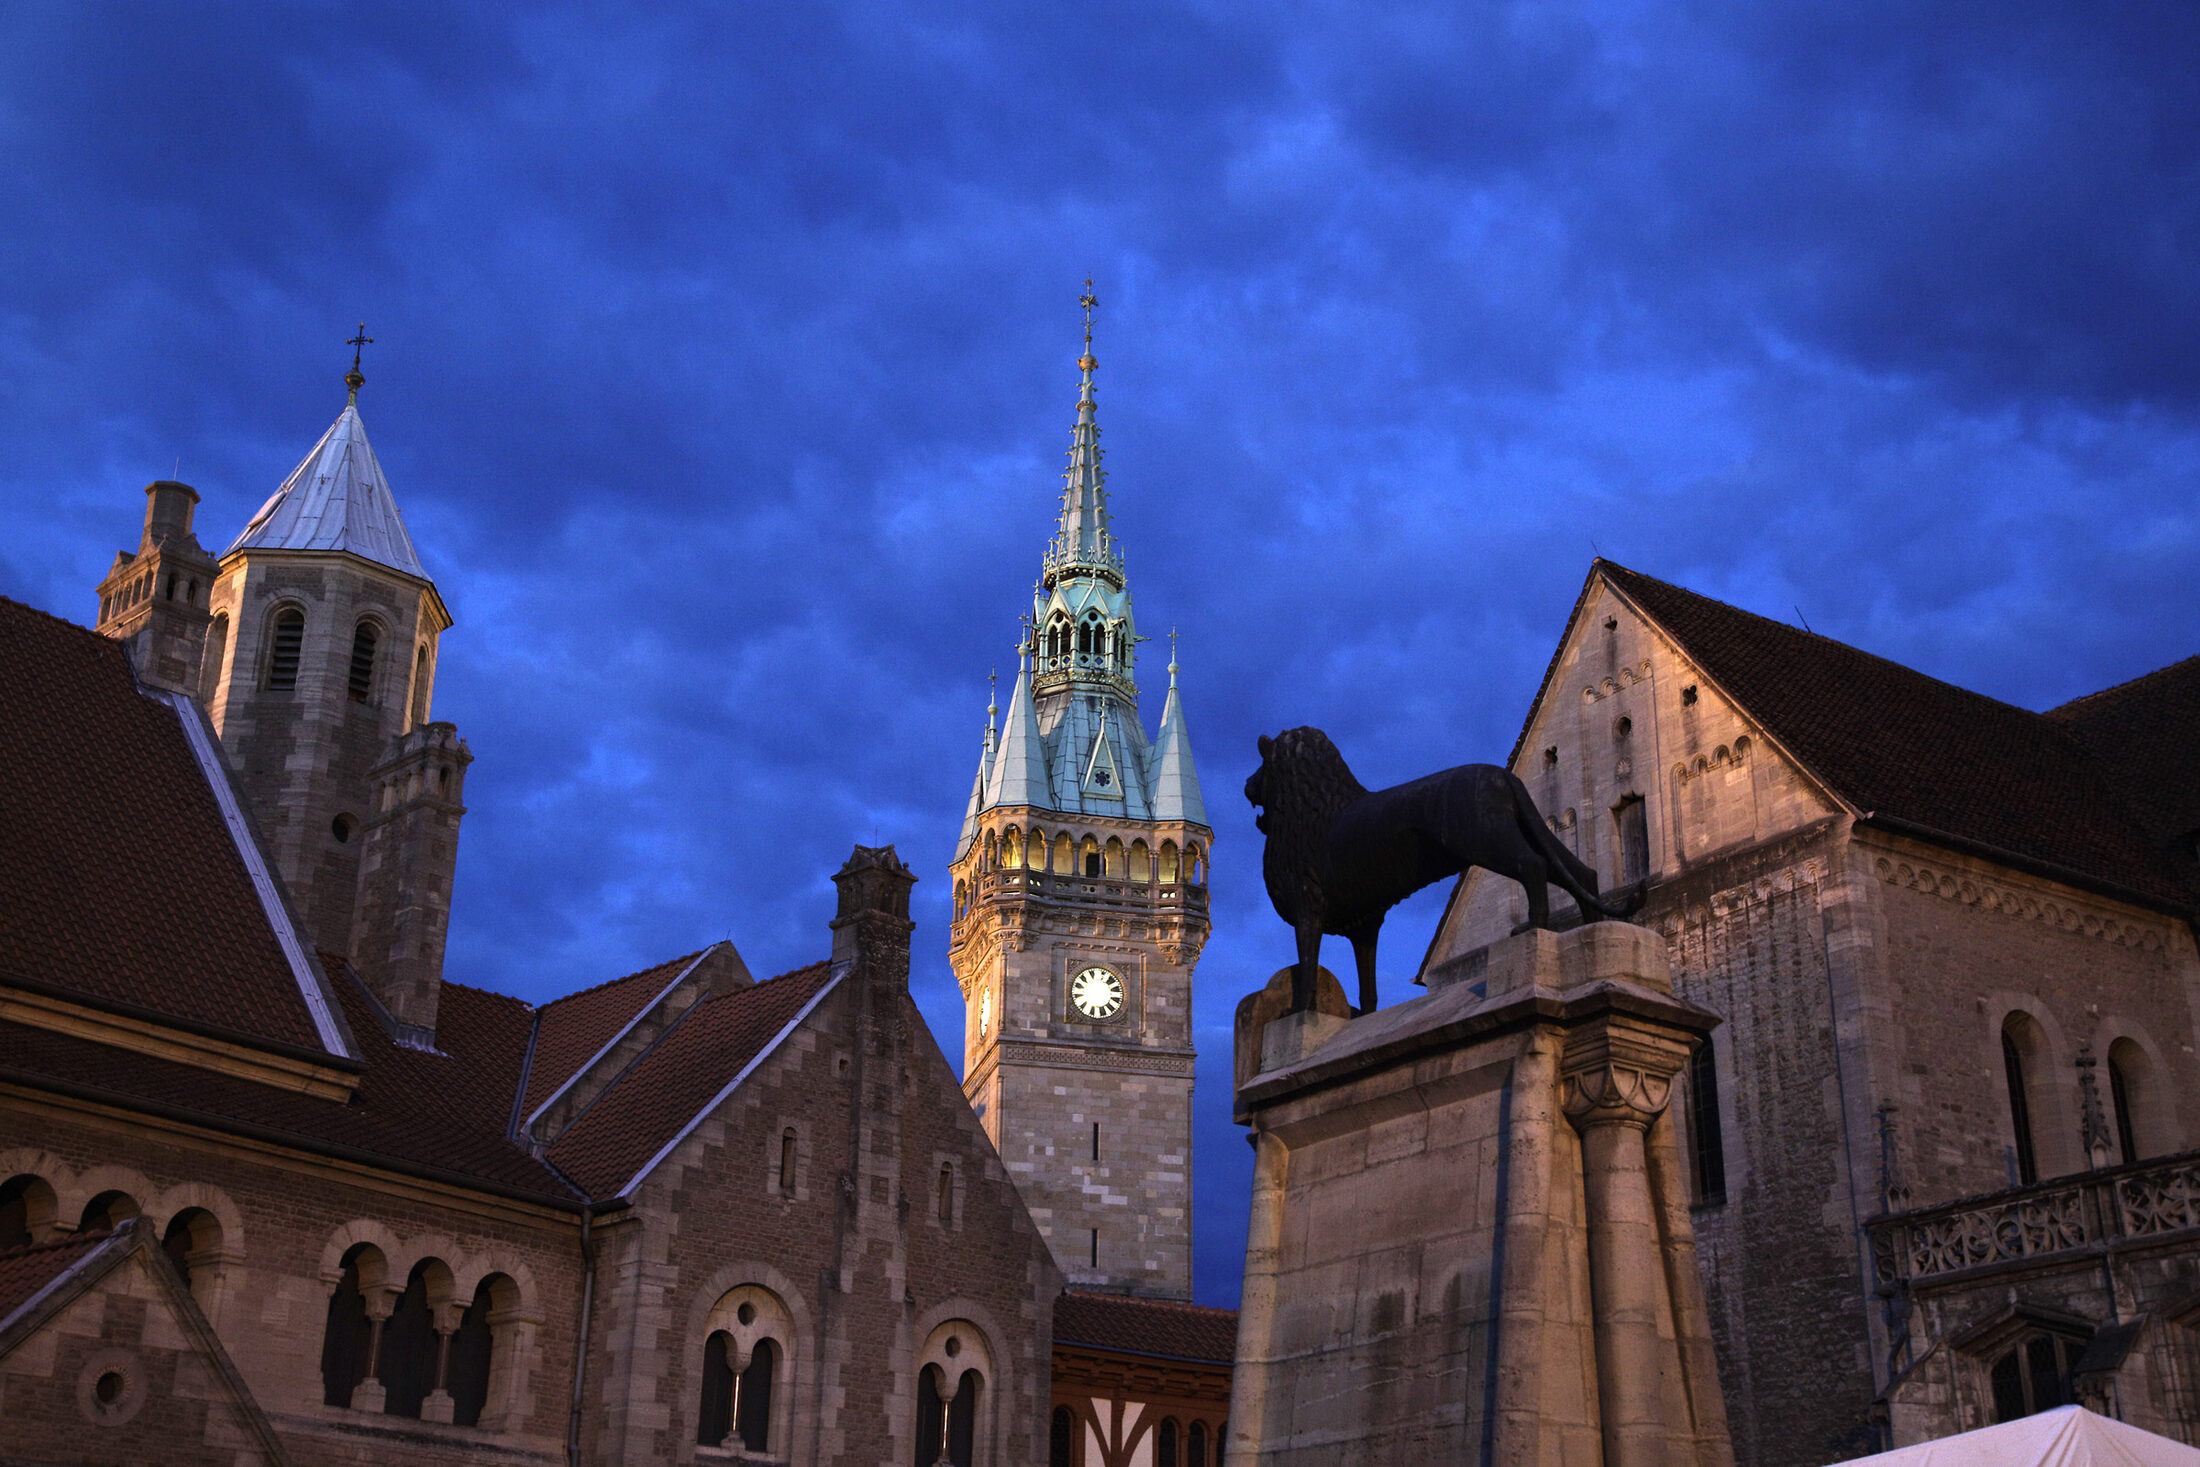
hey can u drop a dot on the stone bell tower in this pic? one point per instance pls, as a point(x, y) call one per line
point(312, 646)
point(1080, 902)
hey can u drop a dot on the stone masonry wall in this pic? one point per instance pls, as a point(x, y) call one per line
point(286, 1220)
point(858, 1254)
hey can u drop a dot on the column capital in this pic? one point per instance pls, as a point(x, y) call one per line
point(1609, 1094)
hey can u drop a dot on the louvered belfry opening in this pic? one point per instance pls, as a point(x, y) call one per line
point(290, 637)
point(363, 643)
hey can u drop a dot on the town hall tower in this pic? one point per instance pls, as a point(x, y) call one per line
point(1080, 906)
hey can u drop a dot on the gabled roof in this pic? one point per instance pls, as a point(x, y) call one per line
point(123, 882)
point(29, 1272)
point(336, 499)
point(1158, 1327)
point(575, 1028)
point(1911, 752)
point(680, 1079)
point(2143, 733)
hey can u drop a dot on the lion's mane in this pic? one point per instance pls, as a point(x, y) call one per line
point(1305, 784)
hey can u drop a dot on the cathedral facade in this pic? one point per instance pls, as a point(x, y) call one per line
point(1080, 907)
point(275, 1188)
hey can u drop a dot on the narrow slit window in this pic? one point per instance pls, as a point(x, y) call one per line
point(1095, 1140)
point(1703, 1108)
point(786, 1161)
point(947, 1196)
point(1095, 1247)
point(1634, 839)
point(2020, 1109)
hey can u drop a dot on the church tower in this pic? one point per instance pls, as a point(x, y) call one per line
point(1080, 902)
point(312, 647)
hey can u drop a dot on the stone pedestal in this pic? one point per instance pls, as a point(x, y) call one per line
point(1470, 1236)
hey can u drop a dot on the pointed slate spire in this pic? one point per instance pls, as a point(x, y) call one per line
point(1082, 540)
point(1020, 767)
point(336, 499)
point(985, 768)
point(1176, 778)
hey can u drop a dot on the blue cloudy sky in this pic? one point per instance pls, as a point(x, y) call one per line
point(724, 366)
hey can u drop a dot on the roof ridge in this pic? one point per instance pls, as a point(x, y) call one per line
point(548, 1004)
point(1797, 631)
point(1144, 1302)
point(2114, 688)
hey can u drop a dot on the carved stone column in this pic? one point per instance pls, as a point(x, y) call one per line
point(1617, 1077)
point(370, 1394)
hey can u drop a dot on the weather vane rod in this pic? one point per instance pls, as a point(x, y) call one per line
point(1091, 303)
point(355, 379)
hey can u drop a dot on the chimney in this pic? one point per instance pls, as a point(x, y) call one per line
point(873, 925)
point(168, 507)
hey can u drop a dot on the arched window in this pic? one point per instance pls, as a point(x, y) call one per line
point(752, 1415)
point(1092, 856)
point(947, 1429)
point(2019, 1043)
point(1111, 863)
point(1065, 854)
point(2033, 1376)
point(1141, 862)
point(1166, 1440)
point(192, 1235)
point(947, 1197)
point(406, 1365)
point(420, 685)
point(286, 642)
point(1195, 1445)
point(1168, 863)
point(363, 643)
point(992, 854)
point(471, 1355)
point(348, 1341)
point(1062, 1438)
point(106, 1211)
point(1195, 866)
point(2131, 1093)
point(716, 1421)
point(27, 1208)
point(217, 654)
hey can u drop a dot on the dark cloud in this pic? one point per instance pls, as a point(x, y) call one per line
point(723, 368)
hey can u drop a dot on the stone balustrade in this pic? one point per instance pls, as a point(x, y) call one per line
point(2093, 1212)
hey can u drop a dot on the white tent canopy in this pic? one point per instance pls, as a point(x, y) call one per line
point(2069, 1436)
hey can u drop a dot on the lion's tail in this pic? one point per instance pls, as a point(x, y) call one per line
point(1568, 870)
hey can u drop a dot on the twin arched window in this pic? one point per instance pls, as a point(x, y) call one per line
point(947, 1426)
point(737, 1393)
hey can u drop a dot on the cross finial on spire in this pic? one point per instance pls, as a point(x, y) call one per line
point(1091, 303)
point(354, 379)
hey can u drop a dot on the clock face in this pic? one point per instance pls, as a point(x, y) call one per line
point(1097, 993)
point(985, 1013)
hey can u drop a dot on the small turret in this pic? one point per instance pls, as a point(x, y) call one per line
point(156, 599)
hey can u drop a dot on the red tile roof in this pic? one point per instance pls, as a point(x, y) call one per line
point(427, 1113)
point(575, 1027)
point(121, 882)
point(671, 1084)
point(2142, 732)
point(1157, 1327)
point(24, 1271)
point(1917, 752)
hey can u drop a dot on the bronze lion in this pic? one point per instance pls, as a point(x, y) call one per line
point(1340, 856)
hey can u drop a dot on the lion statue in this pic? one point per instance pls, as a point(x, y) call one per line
point(1340, 856)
